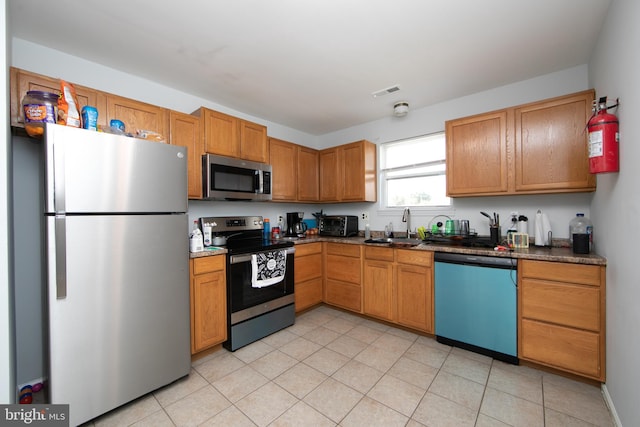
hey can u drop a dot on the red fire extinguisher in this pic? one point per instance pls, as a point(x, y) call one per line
point(603, 139)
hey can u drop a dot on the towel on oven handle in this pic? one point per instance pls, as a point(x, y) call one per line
point(268, 268)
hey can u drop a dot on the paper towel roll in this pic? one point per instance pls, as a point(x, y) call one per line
point(542, 229)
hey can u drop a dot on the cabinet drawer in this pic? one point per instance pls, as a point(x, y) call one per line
point(375, 252)
point(343, 249)
point(308, 293)
point(343, 268)
point(307, 267)
point(561, 272)
point(208, 264)
point(343, 294)
point(569, 349)
point(423, 258)
point(561, 303)
point(308, 248)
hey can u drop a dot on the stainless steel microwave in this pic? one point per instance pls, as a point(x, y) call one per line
point(227, 178)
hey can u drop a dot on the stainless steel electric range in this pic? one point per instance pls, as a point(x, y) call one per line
point(260, 282)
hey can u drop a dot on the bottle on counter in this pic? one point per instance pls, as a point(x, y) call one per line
point(206, 233)
point(196, 241)
point(266, 230)
point(581, 234)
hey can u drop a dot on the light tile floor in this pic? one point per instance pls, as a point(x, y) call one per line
point(334, 368)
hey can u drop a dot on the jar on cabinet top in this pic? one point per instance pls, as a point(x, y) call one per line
point(39, 108)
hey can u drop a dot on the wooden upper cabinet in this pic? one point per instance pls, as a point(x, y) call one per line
point(283, 159)
point(23, 81)
point(348, 173)
point(230, 136)
point(477, 160)
point(308, 179)
point(220, 132)
point(253, 141)
point(551, 149)
point(359, 172)
point(185, 132)
point(535, 148)
point(137, 115)
point(330, 178)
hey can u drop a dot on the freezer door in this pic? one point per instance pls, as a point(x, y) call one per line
point(123, 328)
point(95, 172)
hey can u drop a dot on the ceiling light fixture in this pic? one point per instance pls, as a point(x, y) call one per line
point(400, 109)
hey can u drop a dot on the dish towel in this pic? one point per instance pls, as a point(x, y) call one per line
point(542, 230)
point(268, 268)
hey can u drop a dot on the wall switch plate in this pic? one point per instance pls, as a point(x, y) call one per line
point(364, 216)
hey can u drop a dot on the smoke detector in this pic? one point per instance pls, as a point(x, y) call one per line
point(400, 109)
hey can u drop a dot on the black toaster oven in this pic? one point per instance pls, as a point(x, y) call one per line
point(338, 225)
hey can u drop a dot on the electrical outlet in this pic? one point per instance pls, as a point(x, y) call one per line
point(364, 216)
point(280, 219)
point(514, 216)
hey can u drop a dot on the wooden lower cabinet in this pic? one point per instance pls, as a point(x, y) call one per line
point(562, 316)
point(208, 302)
point(308, 275)
point(414, 283)
point(398, 286)
point(343, 275)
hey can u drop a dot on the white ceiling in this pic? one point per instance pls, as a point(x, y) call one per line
point(312, 65)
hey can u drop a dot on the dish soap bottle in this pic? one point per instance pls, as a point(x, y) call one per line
point(196, 243)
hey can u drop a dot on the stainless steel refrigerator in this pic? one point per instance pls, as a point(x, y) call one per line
point(117, 268)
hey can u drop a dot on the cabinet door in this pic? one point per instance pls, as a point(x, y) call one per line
point(330, 175)
point(308, 181)
point(138, 115)
point(477, 156)
point(253, 141)
point(283, 159)
point(23, 81)
point(551, 148)
point(415, 296)
point(209, 310)
point(359, 177)
point(377, 289)
point(220, 133)
point(185, 132)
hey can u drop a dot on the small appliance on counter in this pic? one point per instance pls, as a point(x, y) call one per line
point(295, 224)
point(338, 225)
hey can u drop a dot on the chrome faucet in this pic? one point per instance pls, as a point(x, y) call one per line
point(406, 217)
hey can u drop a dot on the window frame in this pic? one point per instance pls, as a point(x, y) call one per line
point(383, 207)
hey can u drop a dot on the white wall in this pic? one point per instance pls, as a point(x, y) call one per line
point(614, 71)
point(7, 376)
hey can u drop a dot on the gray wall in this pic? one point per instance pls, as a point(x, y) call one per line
point(614, 71)
point(28, 252)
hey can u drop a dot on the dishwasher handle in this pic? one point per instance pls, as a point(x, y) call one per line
point(477, 260)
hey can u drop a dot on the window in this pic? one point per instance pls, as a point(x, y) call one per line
point(412, 172)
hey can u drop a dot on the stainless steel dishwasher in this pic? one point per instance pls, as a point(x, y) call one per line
point(476, 304)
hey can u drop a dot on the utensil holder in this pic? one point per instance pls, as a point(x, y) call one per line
point(494, 235)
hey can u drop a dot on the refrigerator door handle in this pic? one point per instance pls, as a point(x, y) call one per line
point(61, 257)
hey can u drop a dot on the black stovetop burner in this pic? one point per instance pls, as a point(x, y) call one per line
point(244, 234)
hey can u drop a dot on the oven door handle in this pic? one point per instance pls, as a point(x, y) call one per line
point(237, 259)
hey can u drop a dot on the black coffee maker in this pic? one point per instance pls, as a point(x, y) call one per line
point(295, 225)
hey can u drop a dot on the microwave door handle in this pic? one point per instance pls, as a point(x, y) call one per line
point(259, 182)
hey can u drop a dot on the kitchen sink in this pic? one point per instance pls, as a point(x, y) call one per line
point(396, 241)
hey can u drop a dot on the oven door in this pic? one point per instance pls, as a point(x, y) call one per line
point(244, 300)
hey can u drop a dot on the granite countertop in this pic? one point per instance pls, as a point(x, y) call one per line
point(560, 254)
